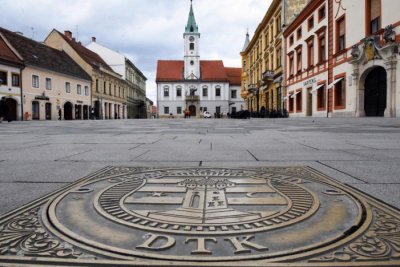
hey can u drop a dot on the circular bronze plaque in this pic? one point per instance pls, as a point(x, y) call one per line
point(206, 214)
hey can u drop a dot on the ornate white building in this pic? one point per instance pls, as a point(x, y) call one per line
point(194, 84)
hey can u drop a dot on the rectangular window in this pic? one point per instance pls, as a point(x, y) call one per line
point(217, 91)
point(15, 79)
point(233, 109)
point(340, 35)
point(166, 110)
point(374, 15)
point(299, 102)
point(233, 94)
point(278, 24)
point(321, 50)
point(310, 53)
point(104, 88)
point(3, 77)
point(299, 33)
point(310, 23)
point(166, 91)
point(299, 61)
point(204, 108)
point(67, 87)
point(291, 65)
point(86, 90)
point(109, 89)
point(340, 97)
point(321, 98)
point(278, 57)
point(191, 46)
point(115, 90)
point(79, 89)
point(97, 85)
point(291, 40)
point(178, 93)
point(35, 81)
point(218, 110)
point(48, 83)
point(321, 13)
point(179, 110)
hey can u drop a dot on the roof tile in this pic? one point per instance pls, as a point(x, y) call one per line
point(43, 56)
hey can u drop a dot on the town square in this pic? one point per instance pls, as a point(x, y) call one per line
point(253, 133)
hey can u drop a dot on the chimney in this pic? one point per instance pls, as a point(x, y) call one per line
point(68, 34)
point(93, 39)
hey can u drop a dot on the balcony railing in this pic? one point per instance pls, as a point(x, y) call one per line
point(192, 98)
point(252, 88)
point(268, 75)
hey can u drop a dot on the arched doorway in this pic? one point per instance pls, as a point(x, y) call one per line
point(12, 109)
point(375, 92)
point(192, 110)
point(68, 107)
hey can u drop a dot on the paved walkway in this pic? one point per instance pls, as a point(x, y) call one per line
point(37, 158)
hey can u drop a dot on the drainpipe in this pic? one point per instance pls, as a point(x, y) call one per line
point(22, 95)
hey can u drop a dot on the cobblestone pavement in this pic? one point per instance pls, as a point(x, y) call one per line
point(37, 158)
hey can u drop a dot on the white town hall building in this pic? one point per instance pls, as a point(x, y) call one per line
point(194, 84)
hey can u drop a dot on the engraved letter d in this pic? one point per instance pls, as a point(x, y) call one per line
point(165, 242)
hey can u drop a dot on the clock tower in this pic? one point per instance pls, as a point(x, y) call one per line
point(192, 55)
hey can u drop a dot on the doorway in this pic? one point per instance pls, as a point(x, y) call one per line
point(192, 110)
point(12, 109)
point(48, 111)
point(35, 110)
point(375, 93)
point(309, 111)
point(68, 111)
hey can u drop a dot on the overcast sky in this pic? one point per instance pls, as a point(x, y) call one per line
point(143, 30)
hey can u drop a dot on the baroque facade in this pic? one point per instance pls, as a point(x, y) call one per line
point(342, 59)
point(109, 91)
point(196, 85)
point(262, 58)
point(133, 77)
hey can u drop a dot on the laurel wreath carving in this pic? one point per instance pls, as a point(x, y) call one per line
point(24, 235)
point(380, 242)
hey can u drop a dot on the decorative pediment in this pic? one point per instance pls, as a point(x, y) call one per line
point(192, 77)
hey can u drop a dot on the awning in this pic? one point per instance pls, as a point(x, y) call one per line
point(286, 97)
point(335, 82)
point(292, 96)
point(318, 87)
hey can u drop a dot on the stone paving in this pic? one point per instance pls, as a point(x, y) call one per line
point(38, 157)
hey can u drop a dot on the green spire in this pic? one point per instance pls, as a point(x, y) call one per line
point(191, 24)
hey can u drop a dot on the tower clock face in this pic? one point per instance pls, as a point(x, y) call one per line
point(191, 38)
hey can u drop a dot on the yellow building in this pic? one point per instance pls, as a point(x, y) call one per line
point(262, 64)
